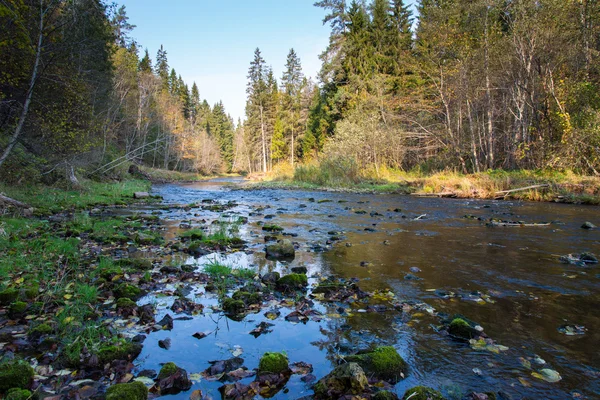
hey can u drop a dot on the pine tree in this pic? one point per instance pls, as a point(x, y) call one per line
point(162, 68)
point(292, 80)
point(122, 28)
point(146, 63)
point(257, 91)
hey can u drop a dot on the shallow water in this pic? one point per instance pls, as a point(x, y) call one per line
point(507, 279)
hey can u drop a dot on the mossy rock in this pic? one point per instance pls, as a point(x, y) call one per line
point(147, 239)
point(9, 295)
point(273, 363)
point(422, 393)
point(126, 302)
point(15, 374)
point(119, 351)
point(232, 306)
point(283, 249)
point(247, 298)
point(293, 282)
point(126, 290)
point(127, 391)
point(110, 272)
point(41, 330)
point(17, 309)
point(383, 363)
point(272, 228)
point(167, 370)
point(140, 264)
point(461, 329)
point(18, 394)
point(385, 395)
point(345, 379)
point(32, 291)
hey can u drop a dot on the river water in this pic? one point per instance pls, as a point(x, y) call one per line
point(507, 279)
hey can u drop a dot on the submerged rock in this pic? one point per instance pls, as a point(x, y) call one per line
point(422, 393)
point(345, 379)
point(127, 391)
point(588, 225)
point(172, 379)
point(383, 363)
point(283, 249)
point(270, 278)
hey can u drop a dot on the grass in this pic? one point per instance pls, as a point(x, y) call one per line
point(564, 186)
point(49, 199)
point(163, 175)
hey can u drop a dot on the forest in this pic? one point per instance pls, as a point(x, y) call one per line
point(460, 85)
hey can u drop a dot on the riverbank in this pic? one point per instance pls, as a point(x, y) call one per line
point(527, 185)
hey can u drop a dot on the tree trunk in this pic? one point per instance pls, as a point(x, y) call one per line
point(34, 76)
point(264, 145)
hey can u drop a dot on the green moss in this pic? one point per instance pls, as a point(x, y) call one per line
point(18, 394)
point(17, 309)
point(385, 395)
point(461, 329)
point(42, 329)
point(275, 363)
point(384, 363)
point(422, 393)
point(15, 374)
point(193, 234)
point(9, 295)
point(125, 302)
point(293, 281)
point(32, 291)
point(126, 290)
point(247, 298)
point(119, 351)
point(127, 391)
point(272, 228)
point(232, 306)
point(167, 370)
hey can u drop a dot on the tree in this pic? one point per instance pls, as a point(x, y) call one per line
point(292, 81)
point(257, 92)
point(162, 67)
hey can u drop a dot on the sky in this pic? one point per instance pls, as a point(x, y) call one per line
point(211, 42)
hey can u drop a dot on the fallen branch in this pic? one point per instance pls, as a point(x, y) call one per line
point(442, 194)
point(494, 223)
point(503, 193)
point(13, 202)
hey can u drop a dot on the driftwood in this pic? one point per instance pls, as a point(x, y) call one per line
point(13, 202)
point(494, 223)
point(504, 193)
point(442, 194)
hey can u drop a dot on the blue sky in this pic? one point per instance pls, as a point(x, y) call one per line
point(212, 42)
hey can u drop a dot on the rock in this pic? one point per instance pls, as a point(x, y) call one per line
point(385, 395)
point(283, 249)
point(18, 394)
point(300, 270)
point(345, 379)
point(422, 393)
point(292, 282)
point(15, 374)
point(146, 314)
point(270, 278)
point(126, 290)
point(17, 310)
point(238, 391)
point(166, 322)
point(383, 363)
point(165, 344)
point(232, 306)
point(126, 307)
point(127, 391)
point(223, 366)
point(588, 225)
point(9, 295)
point(461, 329)
point(273, 363)
point(173, 380)
point(141, 195)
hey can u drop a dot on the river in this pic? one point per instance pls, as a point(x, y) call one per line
point(507, 279)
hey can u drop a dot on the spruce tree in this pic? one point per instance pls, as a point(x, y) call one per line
point(146, 63)
point(162, 68)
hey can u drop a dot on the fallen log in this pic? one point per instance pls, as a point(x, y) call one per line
point(13, 202)
point(494, 223)
point(441, 194)
point(503, 193)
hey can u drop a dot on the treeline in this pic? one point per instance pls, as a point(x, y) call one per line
point(75, 96)
point(468, 84)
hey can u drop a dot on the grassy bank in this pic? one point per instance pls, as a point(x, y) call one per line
point(163, 176)
point(51, 199)
point(345, 176)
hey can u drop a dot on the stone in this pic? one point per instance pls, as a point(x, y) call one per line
point(127, 391)
point(422, 393)
point(173, 380)
point(15, 374)
point(273, 363)
point(588, 225)
point(283, 249)
point(141, 195)
point(270, 278)
point(383, 363)
point(292, 282)
point(345, 379)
